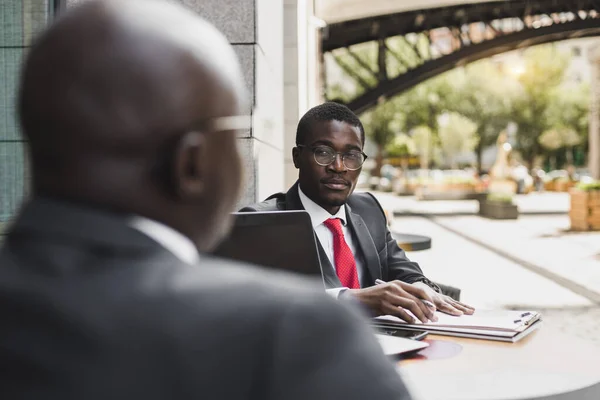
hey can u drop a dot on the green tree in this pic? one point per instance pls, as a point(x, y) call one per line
point(424, 144)
point(457, 135)
point(545, 68)
point(422, 104)
point(401, 145)
point(568, 114)
point(382, 124)
point(484, 95)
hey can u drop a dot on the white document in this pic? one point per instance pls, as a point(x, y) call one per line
point(393, 345)
point(496, 320)
point(501, 325)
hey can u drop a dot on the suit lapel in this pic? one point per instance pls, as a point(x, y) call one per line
point(329, 274)
point(292, 199)
point(366, 244)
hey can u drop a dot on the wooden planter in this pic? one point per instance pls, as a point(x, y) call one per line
point(563, 186)
point(585, 210)
point(549, 186)
point(498, 209)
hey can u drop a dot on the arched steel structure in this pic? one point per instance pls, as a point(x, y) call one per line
point(455, 36)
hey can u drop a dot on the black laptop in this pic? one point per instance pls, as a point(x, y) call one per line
point(281, 239)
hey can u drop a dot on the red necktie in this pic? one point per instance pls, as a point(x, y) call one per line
point(345, 263)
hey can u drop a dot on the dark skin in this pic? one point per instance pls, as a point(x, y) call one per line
point(321, 183)
point(329, 187)
point(135, 132)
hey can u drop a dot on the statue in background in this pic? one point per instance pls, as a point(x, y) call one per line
point(501, 172)
point(501, 168)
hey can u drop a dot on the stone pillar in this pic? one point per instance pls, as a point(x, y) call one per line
point(301, 73)
point(594, 134)
point(294, 22)
point(255, 30)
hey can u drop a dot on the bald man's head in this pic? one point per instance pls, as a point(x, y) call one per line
point(119, 101)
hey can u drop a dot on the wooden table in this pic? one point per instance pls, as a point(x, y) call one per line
point(410, 242)
point(544, 365)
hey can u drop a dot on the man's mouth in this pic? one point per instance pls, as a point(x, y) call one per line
point(335, 184)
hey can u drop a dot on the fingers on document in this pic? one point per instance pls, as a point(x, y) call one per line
point(418, 292)
point(466, 309)
point(397, 305)
point(414, 294)
point(390, 309)
point(448, 308)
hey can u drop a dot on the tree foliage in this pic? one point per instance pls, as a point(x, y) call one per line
point(424, 143)
point(545, 68)
point(554, 139)
point(456, 136)
point(544, 110)
point(382, 124)
point(484, 95)
point(401, 145)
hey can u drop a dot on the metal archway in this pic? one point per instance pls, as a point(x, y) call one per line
point(474, 31)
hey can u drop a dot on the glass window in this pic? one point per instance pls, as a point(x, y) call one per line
point(20, 22)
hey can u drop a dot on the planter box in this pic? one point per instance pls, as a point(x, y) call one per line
point(433, 194)
point(563, 186)
point(498, 209)
point(549, 186)
point(585, 210)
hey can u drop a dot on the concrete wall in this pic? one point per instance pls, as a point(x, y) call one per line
point(302, 73)
point(594, 135)
point(255, 30)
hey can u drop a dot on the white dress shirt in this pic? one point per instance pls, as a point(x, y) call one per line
point(178, 244)
point(318, 216)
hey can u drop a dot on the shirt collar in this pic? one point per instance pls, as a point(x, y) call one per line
point(318, 214)
point(178, 244)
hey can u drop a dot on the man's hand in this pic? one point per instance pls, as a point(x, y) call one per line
point(445, 303)
point(394, 298)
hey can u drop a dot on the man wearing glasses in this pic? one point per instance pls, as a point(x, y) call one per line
point(358, 254)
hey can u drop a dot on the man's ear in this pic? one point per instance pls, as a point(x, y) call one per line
point(295, 156)
point(190, 166)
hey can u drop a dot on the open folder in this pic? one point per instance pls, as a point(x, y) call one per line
point(501, 325)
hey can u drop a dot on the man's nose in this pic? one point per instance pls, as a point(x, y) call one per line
point(338, 164)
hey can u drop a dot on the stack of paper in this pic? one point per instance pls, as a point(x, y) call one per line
point(502, 325)
point(392, 345)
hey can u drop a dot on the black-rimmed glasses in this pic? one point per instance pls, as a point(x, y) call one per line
point(325, 155)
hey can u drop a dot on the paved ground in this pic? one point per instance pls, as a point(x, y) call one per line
point(531, 203)
point(531, 263)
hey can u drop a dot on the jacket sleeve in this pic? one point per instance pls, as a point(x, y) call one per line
point(323, 350)
point(399, 267)
point(270, 204)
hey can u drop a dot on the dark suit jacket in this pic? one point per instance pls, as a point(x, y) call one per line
point(383, 258)
point(93, 309)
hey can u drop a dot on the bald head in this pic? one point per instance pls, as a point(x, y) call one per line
point(117, 100)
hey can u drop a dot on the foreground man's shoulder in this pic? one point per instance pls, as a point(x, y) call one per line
point(275, 202)
point(263, 206)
